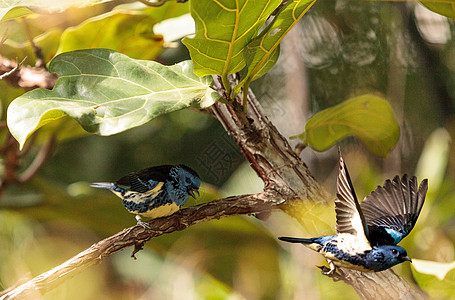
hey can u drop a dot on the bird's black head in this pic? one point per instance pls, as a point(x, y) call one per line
point(189, 179)
point(384, 257)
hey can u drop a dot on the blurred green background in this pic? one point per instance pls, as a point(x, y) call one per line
point(340, 49)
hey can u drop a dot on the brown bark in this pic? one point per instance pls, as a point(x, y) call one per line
point(383, 285)
point(25, 76)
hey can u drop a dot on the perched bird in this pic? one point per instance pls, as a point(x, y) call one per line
point(155, 192)
point(368, 233)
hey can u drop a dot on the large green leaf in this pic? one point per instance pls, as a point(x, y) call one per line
point(129, 32)
point(438, 269)
point(223, 29)
point(368, 117)
point(16, 8)
point(108, 92)
point(445, 9)
point(435, 278)
point(7, 13)
point(47, 42)
point(262, 53)
point(434, 159)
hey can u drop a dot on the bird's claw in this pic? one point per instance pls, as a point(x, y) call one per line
point(325, 271)
point(142, 223)
point(330, 273)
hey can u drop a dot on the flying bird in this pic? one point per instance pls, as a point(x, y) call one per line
point(155, 192)
point(368, 233)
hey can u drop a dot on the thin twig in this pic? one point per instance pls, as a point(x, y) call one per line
point(4, 37)
point(25, 76)
point(13, 69)
point(9, 141)
point(39, 57)
point(38, 162)
point(11, 162)
point(158, 3)
point(28, 145)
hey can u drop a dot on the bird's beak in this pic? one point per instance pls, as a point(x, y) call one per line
point(406, 258)
point(191, 191)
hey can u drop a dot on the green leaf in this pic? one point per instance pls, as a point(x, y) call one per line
point(262, 53)
point(445, 9)
point(13, 12)
point(223, 29)
point(368, 117)
point(255, 67)
point(433, 161)
point(168, 10)
point(129, 32)
point(47, 42)
point(435, 268)
point(108, 92)
point(16, 8)
point(435, 278)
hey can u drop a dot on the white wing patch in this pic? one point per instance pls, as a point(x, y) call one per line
point(350, 244)
point(361, 239)
point(348, 212)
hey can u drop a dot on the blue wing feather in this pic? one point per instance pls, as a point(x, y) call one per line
point(141, 185)
point(146, 179)
point(391, 211)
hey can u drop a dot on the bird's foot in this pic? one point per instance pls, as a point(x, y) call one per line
point(142, 223)
point(330, 273)
point(326, 271)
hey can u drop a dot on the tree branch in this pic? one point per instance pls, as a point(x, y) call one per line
point(383, 285)
point(268, 152)
point(38, 161)
point(26, 77)
point(137, 236)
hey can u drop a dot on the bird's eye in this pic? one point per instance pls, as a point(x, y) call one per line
point(188, 180)
point(394, 251)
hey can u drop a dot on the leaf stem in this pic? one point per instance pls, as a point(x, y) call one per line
point(223, 100)
point(226, 85)
point(39, 57)
point(245, 89)
point(235, 91)
point(244, 97)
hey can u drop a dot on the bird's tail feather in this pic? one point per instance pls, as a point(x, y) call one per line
point(102, 185)
point(297, 240)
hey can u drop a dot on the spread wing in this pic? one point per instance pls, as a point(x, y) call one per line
point(146, 179)
point(349, 215)
point(391, 211)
